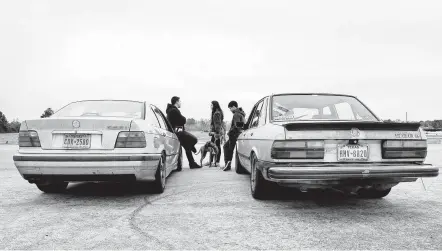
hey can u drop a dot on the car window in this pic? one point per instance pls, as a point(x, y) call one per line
point(292, 107)
point(344, 111)
point(160, 119)
point(263, 115)
point(151, 118)
point(102, 108)
point(166, 122)
point(249, 119)
point(326, 110)
point(256, 115)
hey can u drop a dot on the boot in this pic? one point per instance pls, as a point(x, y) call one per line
point(194, 165)
point(228, 166)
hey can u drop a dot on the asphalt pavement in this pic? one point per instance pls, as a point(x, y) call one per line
point(211, 209)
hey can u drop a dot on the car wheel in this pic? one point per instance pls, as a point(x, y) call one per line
point(238, 167)
point(58, 187)
point(373, 193)
point(261, 188)
point(180, 161)
point(159, 184)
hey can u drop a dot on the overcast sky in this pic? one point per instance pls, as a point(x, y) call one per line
point(388, 53)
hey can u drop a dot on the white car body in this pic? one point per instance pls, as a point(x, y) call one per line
point(254, 150)
point(101, 160)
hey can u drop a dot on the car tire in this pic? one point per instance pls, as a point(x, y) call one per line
point(159, 185)
point(261, 188)
point(373, 193)
point(58, 187)
point(180, 161)
point(238, 167)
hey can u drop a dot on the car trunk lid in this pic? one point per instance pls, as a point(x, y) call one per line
point(344, 138)
point(79, 132)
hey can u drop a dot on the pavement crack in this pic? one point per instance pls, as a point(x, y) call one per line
point(134, 226)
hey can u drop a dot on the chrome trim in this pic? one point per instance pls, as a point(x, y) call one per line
point(85, 158)
point(77, 132)
point(297, 172)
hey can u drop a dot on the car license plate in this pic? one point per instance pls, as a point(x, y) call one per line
point(352, 152)
point(77, 141)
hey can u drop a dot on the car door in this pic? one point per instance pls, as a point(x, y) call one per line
point(249, 137)
point(241, 143)
point(259, 138)
point(171, 143)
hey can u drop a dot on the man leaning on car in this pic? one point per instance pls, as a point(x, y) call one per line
point(177, 120)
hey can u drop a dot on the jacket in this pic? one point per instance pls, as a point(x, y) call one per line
point(217, 124)
point(174, 116)
point(238, 122)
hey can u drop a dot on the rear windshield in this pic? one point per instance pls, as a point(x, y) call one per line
point(102, 108)
point(319, 107)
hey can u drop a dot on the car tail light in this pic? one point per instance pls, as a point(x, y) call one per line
point(313, 149)
point(28, 139)
point(131, 140)
point(404, 149)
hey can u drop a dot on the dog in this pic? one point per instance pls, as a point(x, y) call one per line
point(221, 136)
point(208, 147)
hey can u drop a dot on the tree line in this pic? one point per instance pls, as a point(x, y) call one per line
point(14, 126)
point(200, 125)
point(192, 124)
point(431, 124)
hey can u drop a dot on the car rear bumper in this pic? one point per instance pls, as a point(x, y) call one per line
point(87, 167)
point(311, 173)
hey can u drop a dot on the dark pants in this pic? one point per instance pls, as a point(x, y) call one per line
point(218, 144)
point(229, 147)
point(189, 156)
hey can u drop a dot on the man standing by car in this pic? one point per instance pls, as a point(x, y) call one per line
point(236, 129)
point(178, 121)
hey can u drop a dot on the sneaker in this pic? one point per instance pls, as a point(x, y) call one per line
point(194, 165)
point(228, 166)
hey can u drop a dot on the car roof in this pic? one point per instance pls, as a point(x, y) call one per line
point(136, 101)
point(127, 100)
point(317, 104)
point(313, 93)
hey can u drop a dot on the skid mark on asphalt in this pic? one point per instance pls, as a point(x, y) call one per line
point(136, 228)
point(132, 219)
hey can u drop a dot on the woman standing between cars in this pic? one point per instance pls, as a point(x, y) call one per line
point(216, 128)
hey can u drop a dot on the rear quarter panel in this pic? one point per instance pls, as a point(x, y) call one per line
point(154, 142)
point(260, 143)
point(157, 142)
point(263, 139)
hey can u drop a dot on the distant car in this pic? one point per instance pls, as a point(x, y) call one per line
point(98, 140)
point(320, 141)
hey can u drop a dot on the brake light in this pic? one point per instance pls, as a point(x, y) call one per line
point(404, 149)
point(298, 149)
point(131, 140)
point(28, 139)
